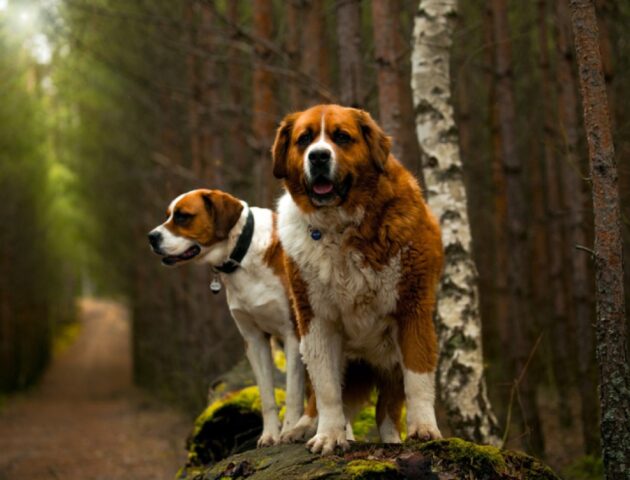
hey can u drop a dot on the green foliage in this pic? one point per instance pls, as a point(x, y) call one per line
point(588, 467)
point(36, 275)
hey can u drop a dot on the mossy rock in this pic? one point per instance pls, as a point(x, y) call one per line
point(449, 459)
point(228, 425)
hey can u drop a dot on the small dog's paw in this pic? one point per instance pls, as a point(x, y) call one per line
point(423, 432)
point(267, 440)
point(325, 443)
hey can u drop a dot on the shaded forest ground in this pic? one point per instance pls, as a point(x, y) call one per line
point(85, 420)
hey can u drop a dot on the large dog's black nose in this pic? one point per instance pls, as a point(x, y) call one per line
point(155, 238)
point(319, 157)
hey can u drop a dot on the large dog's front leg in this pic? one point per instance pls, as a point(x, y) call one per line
point(295, 383)
point(258, 351)
point(418, 346)
point(321, 349)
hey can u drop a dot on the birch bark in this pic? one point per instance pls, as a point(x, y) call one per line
point(460, 369)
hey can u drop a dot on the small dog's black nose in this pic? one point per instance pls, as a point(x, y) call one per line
point(155, 238)
point(319, 158)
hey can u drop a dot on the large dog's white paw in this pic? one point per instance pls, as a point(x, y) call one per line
point(304, 428)
point(325, 443)
point(268, 439)
point(423, 432)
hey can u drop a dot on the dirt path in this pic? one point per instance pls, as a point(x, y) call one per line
point(85, 420)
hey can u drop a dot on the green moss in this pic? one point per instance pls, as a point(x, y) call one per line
point(280, 361)
point(485, 461)
point(366, 469)
point(228, 425)
point(460, 451)
point(364, 425)
point(65, 337)
point(588, 467)
point(246, 400)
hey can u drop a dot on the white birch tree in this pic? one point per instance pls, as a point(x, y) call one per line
point(460, 370)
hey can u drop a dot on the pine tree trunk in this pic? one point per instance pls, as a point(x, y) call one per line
point(499, 226)
point(555, 237)
point(349, 52)
point(292, 47)
point(211, 148)
point(194, 95)
point(387, 71)
point(460, 370)
point(575, 203)
point(313, 61)
point(237, 121)
point(265, 105)
point(518, 287)
point(612, 357)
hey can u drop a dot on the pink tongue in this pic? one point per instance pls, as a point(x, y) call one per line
point(323, 188)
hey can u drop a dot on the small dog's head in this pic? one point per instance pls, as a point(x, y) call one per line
point(195, 222)
point(328, 154)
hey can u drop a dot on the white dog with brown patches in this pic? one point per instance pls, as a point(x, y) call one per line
point(241, 243)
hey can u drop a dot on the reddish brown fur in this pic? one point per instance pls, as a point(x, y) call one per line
point(274, 258)
point(213, 214)
point(396, 220)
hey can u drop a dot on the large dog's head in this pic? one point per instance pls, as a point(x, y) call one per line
point(196, 221)
point(329, 155)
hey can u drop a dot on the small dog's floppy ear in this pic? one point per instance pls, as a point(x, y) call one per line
point(280, 149)
point(378, 143)
point(224, 209)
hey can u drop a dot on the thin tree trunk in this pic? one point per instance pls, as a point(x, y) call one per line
point(211, 150)
point(555, 238)
point(460, 370)
point(614, 369)
point(387, 71)
point(194, 97)
point(519, 294)
point(265, 105)
point(314, 59)
point(501, 309)
point(293, 9)
point(575, 203)
point(236, 121)
point(349, 48)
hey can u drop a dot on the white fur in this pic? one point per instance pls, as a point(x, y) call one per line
point(352, 303)
point(420, 396)
point(388, 431)
point(320, 144)
point(259, 306)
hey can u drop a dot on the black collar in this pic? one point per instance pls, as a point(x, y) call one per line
point(241, 247)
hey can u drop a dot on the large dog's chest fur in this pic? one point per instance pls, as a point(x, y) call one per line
point(343, 288)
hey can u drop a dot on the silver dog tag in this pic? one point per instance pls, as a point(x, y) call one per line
point(215, 285)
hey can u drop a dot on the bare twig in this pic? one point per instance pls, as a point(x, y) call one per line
point(514, 391)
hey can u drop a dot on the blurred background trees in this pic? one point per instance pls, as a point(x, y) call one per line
point(139, 101)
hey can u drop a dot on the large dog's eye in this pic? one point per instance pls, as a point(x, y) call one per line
point(305, 139)
point(341, 138)
point(181, 218)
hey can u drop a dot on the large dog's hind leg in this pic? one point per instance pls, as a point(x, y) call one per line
point(295, 383)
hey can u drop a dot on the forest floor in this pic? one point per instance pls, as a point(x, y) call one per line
point(86, 420)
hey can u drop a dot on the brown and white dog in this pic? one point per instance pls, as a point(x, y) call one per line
point(205, 226)
point(364, 256)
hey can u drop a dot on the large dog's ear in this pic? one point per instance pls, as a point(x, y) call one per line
point(378, 143)
point(280, 149)
point(224, 209)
